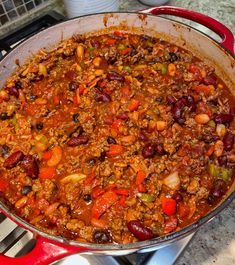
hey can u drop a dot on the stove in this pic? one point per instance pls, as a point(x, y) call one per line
point(16, 241)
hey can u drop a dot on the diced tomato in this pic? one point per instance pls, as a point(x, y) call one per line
point(47, 173)
point(117, 124)
point(115, 150)
point(97, 191)
point(99, 223)
point(3, 184)
point(47, 155)
point(126, 51)
point(103, 203)
point(141, 175)
point(170, 224)
point(126, 92)
point(207, 90)
point(122, 201)
point(56, 100)
point(118, 33)
point(141, 188)
point(89, 179)
point(75, 100)
point(183, 210)
point(203, 108)
point(134, 104)
point(169, 206)
point(123, 192)
point(111, 42)
point(195, 71)
point(111, 187)
point(81, 89)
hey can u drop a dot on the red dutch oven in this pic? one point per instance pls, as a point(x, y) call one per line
point(221, 55)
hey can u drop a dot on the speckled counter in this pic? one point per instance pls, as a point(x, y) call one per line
point(214, 243)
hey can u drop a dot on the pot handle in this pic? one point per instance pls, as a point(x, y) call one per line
point(209, 22)
point(45, 252)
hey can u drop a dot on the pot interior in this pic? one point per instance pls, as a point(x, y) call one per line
point(184, 36)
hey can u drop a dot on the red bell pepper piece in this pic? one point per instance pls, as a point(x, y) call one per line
point(56, 100)
point(118, 33)
point(115, 150)
point(170, 224)
point(134, 104)
point(111, 42)
point(123, 192)
point(169, 206)
point(103, 203)
point(126, 51)
point(97, 191)
point(183, 210)
point(47, 173)
point(47, 155)
point(3, 184)
point(141, 175)
point(122, 201)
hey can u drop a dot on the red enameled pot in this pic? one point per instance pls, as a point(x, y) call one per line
point(221, 55)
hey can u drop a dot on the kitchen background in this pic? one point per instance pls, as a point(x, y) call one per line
point(215, 241)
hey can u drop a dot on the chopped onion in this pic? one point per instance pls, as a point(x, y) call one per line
point(172, 181)
point(73, 178)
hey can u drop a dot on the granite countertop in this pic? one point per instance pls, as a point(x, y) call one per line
point(214, 243)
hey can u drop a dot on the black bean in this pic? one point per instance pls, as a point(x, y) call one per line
point(139, 230)
point(73, 85)
point(4, 116)
point(173, 57)
point(159, 99)
point(228, 141)
point(224, 118)
point(91, 161)
point(148, 150)
point(211, 199)
point(18, 84)
point(75, 117)
point(39, 126)
point(102, 236)
point(33, 97)
point(102, 156)
point(87, 198)
point(111, 140)
point(4, 150)
point(140, 78)
point(25, 190)
point(222, 160)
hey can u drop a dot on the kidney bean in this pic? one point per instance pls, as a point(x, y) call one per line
point(30, 166)
point(75, 141)
point(13, 91)
point(178, 197)
point(170, 99)
point(219, 188)
point(142, 136)
point(190, 102)
point(223, 118)
point(101, 96)
point(25, 190)
point(122, 116)
point(223, 160)
point(232, 111)
point(111, 140)
point(177, 110)
point(139, 230)
point(148, 150)
point(115, 76)
point(71, 75)
point(13, 159)
point(36, 78)
point(76, 132)
point(210, 80)
point(209, 138)
point(160, 149)
point(102, 236)
point(228, 141)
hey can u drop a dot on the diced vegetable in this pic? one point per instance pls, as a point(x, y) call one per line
point(111, 42)
point(73, 178)
point(145, 197)
point(220, 172)
point(103, 203)
point(123, 192)
point(134, 104)
point(97, 191)
point(141, 175)
point(121, 46)
point(169, 206)
point(183, 210)
point(172, 181)
point(115, 150)
point(56, 156)
point(3, 185)
point(47, 173)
